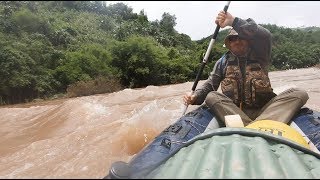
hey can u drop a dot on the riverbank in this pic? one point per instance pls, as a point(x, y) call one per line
point(58, 99)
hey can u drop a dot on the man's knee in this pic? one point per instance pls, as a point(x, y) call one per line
point(295, 93)
point(215, 97)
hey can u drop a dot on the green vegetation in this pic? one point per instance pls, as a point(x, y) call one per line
point(86, 47)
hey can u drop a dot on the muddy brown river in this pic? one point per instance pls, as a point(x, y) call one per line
point(81, 137)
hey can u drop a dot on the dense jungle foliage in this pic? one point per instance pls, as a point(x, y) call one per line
point(52, 49)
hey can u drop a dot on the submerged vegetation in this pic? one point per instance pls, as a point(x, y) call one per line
point(87, 47)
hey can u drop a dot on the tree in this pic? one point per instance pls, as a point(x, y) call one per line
point(138, 61)
point(121, 11)
point(168, 22)
point(15, 74)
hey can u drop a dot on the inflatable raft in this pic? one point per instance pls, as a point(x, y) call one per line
point(198, 146)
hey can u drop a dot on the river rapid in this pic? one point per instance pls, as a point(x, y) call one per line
point(81, 137)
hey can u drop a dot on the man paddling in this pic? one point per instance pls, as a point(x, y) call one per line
point(242, 73)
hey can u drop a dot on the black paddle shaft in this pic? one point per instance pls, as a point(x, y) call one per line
point(205, 59)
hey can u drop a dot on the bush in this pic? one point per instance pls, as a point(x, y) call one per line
point(138, 61)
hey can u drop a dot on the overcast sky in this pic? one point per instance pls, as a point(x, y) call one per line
point(196, 18)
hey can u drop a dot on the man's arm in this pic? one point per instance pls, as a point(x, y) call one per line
point(211, 84)
point(260, 39)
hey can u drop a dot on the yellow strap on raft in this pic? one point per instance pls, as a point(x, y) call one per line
point(281, 129)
